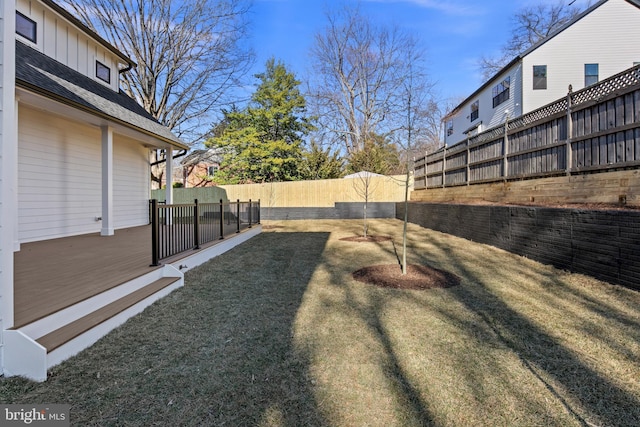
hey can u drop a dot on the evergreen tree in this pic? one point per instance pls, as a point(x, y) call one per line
point(263, 142)
point(378, 156)
point(321, 164)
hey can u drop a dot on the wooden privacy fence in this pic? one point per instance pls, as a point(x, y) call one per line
point(595, 129)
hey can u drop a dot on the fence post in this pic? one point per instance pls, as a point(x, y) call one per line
point(505, 150)
point(196, 226)
point(249, 213)
point(155, 256)
point(444, 165)
point(221, 220)
point(238, 217)
point(569, 160)
point(468, 168)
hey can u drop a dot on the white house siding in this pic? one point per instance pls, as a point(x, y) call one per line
point(131, 177)
point(59, 177)
point(60, 40)
point(608, 36)
point(488, 115)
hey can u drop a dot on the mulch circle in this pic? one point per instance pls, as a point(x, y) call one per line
point(366, 239)
point(418, 277)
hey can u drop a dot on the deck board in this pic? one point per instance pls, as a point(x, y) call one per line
point(60, 336)
point(54, 274)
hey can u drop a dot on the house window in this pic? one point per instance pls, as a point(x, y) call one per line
point(475, 110)
point(501, 92)
point(590, 74)
point(539, 77)
point(103, 72)
point(25, 27)
point(211, 170)
point(449, 127)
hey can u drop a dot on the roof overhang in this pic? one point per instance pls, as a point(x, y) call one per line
point(55, 105)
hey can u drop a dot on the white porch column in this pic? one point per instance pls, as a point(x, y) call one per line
point(107, 181)
point(8, 167)
point(169, 176)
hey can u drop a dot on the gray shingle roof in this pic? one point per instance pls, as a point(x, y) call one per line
point(46, 76)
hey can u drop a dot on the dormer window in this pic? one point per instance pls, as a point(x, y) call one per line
point(103, 72)
point(26, 27)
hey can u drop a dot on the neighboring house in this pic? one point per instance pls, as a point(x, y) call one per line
point(600, 42)
point(198, 167)
point(74, 154)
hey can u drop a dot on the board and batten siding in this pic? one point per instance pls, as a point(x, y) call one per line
point(588, 41)
point(62, 41)
point(131, 183)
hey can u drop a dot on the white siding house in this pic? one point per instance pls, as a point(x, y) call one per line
point(74, 154)
point(600, 42)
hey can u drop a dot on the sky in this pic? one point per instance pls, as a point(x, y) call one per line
point(455, 33)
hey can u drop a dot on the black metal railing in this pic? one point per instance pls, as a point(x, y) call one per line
point(181, 228)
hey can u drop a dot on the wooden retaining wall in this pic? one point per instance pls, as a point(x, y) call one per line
point(600, 243)
point(613, 188)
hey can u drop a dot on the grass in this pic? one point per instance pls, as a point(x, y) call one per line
point(277, 333)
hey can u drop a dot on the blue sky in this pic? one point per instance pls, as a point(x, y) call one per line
point(455, 33)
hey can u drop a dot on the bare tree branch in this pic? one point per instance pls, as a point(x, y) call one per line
point(189, 54)
point(530, 25)
point(358, 69)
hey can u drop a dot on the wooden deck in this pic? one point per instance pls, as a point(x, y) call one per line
point(54, 274)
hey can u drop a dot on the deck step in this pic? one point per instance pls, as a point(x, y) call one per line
point(60, 336)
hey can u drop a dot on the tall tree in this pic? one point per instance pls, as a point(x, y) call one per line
point(263, 142)
point(357, 65)
point(530, 25)
point(189, 54)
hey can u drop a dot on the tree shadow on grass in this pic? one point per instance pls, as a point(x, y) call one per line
point(217, 352)
point(590, 397)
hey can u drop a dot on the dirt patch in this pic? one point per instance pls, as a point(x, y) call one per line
point(366, 239)
point(271, 227)
point(418, 277)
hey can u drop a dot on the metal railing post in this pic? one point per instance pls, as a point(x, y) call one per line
point(221, 220)
point(238, 217)
point(250, 213)
point(155, 256)
point(196, 226)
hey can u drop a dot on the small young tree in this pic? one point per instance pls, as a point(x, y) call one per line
point(415, 125)
point(378, 157)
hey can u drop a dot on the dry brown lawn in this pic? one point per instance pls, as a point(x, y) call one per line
point(278, 333)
